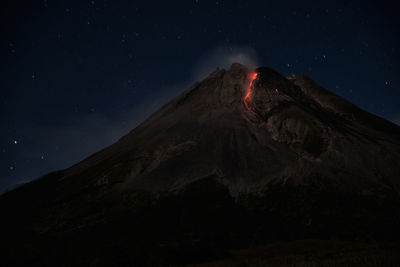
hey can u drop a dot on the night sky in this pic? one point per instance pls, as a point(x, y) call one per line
point(77, 75)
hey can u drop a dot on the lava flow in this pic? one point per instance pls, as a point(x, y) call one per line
point(247, 99)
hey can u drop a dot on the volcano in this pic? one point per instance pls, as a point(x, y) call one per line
point(243, 160)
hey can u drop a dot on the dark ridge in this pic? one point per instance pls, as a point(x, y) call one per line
point(348, 108)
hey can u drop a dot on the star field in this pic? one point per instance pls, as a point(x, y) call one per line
point(77, 75)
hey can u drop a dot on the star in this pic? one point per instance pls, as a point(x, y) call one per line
point(15, 142)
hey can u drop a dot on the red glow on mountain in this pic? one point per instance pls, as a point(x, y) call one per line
point(247, 98)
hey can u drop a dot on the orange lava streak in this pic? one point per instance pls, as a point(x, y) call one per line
point(247, 101)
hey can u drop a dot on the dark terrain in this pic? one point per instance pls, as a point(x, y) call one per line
point(292, 175)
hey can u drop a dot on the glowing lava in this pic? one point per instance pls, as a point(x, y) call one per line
point(247, 99)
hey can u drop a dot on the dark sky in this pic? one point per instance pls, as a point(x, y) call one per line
point(77, 75)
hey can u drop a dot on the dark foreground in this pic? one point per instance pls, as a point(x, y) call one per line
point(202, 225)
point(310, 253)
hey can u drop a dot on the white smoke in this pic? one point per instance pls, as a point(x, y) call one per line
point(223, 57)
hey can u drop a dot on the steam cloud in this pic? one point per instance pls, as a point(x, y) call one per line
point(223, 57)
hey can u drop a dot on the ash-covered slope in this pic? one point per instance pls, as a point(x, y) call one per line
point(286, 131)
point(240, 159)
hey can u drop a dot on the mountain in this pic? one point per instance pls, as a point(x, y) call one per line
point(243, 159)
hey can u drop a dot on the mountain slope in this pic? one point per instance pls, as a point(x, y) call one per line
point(293, 130)
point(242, 158)
point(296, 129)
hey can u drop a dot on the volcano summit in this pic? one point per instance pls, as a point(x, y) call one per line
point(243, 159)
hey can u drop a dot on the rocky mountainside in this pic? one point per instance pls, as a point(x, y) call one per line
point(288, 130)
point(240, 159)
